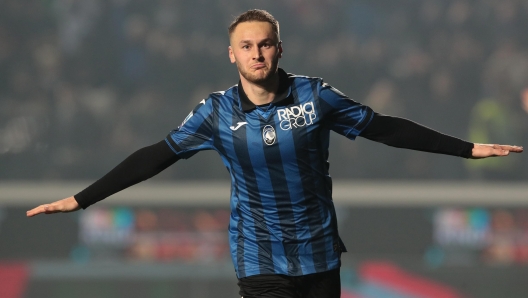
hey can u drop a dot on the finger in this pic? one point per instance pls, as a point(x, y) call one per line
point(37, 210)
point(490, 150)
point(512, 148)
point(46, 208)
point(32, 212)
point(503, 150)
point(500, 151)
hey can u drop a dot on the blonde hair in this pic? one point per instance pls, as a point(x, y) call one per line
point(255, 15)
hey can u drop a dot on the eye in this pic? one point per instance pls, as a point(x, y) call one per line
point(245, 47)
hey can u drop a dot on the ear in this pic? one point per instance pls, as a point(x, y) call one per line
point(280, 49)
point(231, 54)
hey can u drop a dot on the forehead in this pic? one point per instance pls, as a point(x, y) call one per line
point(252, 31)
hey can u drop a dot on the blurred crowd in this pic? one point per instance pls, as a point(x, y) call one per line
point(155, 234)
point(84, 83)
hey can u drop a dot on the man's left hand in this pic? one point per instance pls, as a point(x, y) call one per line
point(490, 150)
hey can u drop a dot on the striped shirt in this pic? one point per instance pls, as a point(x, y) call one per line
point(283, 219)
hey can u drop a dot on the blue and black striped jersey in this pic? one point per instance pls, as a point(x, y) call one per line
point(283, 219)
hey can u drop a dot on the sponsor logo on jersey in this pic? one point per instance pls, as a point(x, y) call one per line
point(268, 135)
point(297, 116)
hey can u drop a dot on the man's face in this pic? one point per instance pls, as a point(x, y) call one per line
point(256, 50)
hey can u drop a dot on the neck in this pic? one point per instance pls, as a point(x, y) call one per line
point(261, 93)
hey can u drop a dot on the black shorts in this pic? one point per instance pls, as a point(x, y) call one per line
point(318, 285)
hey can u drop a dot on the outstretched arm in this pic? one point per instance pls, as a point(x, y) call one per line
point(139, 166)
point(403, 133)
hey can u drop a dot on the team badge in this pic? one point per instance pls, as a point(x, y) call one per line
point(268, 135)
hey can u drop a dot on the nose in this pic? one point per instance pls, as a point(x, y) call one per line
point(257, 54)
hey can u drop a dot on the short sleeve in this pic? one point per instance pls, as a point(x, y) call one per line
point(195, 133)
point(343, 115)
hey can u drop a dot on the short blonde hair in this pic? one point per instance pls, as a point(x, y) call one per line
point(255, 15)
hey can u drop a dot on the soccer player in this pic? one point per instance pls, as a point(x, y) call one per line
point(272, 133)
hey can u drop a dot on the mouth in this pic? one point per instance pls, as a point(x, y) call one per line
point(258, 66)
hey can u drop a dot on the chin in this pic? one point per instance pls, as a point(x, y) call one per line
point(260, 76)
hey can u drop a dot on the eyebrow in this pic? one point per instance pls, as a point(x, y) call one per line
point(250, 41)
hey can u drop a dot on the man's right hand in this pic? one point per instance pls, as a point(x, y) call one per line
point(64, 205)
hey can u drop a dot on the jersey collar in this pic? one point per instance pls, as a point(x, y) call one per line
point(282, 93)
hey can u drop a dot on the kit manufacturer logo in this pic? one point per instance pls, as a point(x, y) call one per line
point(239, 124)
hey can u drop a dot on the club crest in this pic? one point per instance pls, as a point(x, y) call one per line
point(268, 135)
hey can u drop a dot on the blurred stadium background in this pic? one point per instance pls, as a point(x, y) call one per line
point(85, 83)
